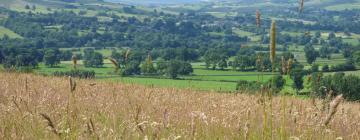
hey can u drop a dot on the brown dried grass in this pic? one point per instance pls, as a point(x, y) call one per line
point(111, 110)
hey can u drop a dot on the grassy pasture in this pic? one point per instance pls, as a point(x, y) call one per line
point(340, 7)
point(105, 52)
point(5, 31)
point(106, 73)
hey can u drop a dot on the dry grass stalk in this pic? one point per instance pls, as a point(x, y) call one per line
point(74, 60)
point(127, 54)
point(283, 65)
point(273, 42)
point(258, 18)
point(166, 119)
point(137, 119)
point(50, 124)
point(115, 63)
point(333, 108)
point(72, 84)
point(289, 65)
point(247, 125)
point(91, 128)
point(301, 6)
point(113, 117)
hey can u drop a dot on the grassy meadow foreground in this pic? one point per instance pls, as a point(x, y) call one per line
point(36, 107)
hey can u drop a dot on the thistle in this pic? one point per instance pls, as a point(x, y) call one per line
point(273, 42)
point(258, 18)
point(74, 60)
point(115, 63)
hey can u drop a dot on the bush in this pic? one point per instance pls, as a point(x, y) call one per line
point(325, 68)
point(348, 66)
point(84, 74)
point(278, 82)
point(315, 68)
point(248, 85)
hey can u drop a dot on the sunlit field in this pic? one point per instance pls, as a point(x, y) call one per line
point(36, 107)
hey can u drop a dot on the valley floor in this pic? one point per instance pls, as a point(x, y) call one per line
point(36, 107)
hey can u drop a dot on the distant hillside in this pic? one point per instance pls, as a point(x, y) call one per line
point(147, 2)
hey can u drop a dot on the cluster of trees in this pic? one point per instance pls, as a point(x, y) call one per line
point(20, 56)
point(339, 83)
point(92, 58)
point(276, 84)
point(135, 62)
point(69, 29)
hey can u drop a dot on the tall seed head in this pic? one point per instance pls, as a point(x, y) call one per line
point(333, 108)
point(289, 65)
point(283, 65)
point(72, 84)
point(273, 42)
point(149, 59)
point(127, 54)
point(74, 60)
point(115, 63)
point(301, 7)
point(258, 18)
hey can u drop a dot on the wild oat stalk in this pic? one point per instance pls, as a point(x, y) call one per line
point(74, 60)
point(258, 18)
point(333, 108)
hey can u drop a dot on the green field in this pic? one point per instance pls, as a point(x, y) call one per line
point(106, 73)
point(201, 79)
point(5, 31)
point(340, 7)
point(105, 52)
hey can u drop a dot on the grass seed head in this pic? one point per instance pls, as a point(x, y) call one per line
point(127, 54)
point(273, 42)
point(333, 108)
point(301, 6)
point(74, 60)
point(258, 18)
point(115, 63)
point(72, 84)
point(50, 123)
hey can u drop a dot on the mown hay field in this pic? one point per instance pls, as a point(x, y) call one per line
point(36, 107)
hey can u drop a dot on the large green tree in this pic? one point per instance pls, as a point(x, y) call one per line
point(310, 53)
point(51, 57)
